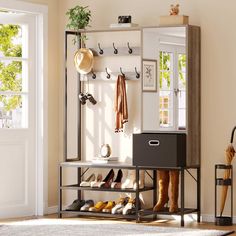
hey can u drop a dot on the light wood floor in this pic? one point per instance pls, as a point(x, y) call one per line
point(169, 223)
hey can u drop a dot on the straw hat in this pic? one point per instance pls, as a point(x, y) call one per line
point(83, 60)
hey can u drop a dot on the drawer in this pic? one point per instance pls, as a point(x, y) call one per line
point(159, 149)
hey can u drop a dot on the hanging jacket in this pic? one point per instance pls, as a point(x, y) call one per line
point(121, 108)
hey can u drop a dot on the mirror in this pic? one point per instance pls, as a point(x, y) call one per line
point(165, 108)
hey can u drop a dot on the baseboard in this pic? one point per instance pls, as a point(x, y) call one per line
point(211, 218)
point(52, 210)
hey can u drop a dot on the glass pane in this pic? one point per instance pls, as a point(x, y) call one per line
point(166, 105)
point(182, 99)
point(182, 71)
point(13, 111)
point(11, 75)
point(182, 119)
point(10, 40)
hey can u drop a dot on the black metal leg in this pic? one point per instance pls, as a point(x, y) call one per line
point(199, 195)
point(137, 196)
point(60, 193)
point(79, 181)
point(182, 197)
point(154, 191)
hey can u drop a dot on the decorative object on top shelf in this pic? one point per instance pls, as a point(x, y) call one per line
point(124, 19)
point(79, 18)
point(174, 9)
point(174, 18)
point(149, 75)
point(229, 154)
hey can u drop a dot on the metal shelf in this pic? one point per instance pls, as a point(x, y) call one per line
point(100, 214)
point(77, 187)
point(165, 211)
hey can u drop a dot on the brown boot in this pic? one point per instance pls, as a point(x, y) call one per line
point(163, 182)
point(174, 190)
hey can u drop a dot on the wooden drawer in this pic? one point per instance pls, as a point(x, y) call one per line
point(159, 149)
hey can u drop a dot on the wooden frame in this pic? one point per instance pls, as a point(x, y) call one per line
point(149, 75)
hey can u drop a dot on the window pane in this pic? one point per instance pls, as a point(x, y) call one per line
point(182, 71)
point(182, 119)
point(13, 111)
point(166, 111)
point(11, 76)
point(182, 99)
point(10, 40)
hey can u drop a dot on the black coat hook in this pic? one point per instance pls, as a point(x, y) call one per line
point(108, 75)
point(122, 72)
point(137, 74)
point(115, 49)
point(100, 50)
point(93, 74)
point(130, 49)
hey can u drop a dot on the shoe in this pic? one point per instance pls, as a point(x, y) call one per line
point(87, 205)
point(76, 205)
point(118, 208)
point(106, 183)
point(108, 207)
point(82, 98)
point(141, 180)
point(91, 98)
point(117, 182)
point(87, 182)
point(96, 183)
point(129, 182)
point(129, 207)
point(98, 207)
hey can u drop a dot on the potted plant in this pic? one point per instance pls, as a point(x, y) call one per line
point(79, 18)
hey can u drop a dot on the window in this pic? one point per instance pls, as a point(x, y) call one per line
point(172, 87)
point(13, 74)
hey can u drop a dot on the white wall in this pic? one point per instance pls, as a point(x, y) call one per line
point(218, 62)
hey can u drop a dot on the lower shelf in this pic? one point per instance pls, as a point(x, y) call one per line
point(165, 211)
point(100, 214)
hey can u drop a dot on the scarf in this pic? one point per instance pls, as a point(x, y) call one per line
point(121, 108)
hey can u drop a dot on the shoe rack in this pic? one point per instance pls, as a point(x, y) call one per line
point(139, 213)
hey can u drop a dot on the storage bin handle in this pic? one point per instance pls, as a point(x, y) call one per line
point(154, 143)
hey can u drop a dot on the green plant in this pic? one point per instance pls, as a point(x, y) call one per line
point(79, 18)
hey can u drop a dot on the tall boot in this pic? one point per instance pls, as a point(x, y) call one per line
point(141, 180)
point(163, 182)
point(174, 190)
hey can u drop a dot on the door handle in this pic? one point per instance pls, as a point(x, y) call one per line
point(154, 143)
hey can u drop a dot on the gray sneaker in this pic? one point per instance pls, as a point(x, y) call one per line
point(76, 205)
point(87, 205)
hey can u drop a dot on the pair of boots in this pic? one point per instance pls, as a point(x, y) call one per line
point(166, 178)
point(130, 182)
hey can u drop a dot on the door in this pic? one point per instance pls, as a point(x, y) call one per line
point(17, 114)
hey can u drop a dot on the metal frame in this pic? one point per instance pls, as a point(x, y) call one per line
point(79, 165)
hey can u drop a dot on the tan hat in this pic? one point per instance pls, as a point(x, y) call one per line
point(83, 60)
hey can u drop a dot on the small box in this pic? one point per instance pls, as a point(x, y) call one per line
point(174, 20)
point(159, 149)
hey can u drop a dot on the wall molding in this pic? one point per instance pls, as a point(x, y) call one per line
point(52, 210)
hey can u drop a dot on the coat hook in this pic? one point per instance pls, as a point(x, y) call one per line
point(122, 72)
point(130, 49)
point(93, 74)
point(137, 74)
point(115, 49)
point(108, 75)
point(100, 50)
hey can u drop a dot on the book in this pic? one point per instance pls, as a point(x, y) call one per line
point(123, 25)
point(174, 20)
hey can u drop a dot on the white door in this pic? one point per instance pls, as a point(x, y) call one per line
point(17, 115)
